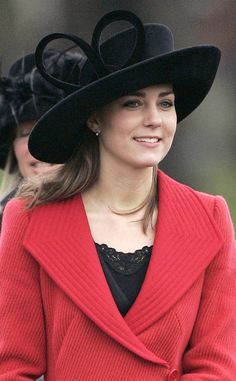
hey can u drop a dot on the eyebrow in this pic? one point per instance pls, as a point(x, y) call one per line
point(142, 93)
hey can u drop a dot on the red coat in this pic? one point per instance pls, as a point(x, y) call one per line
point(57, 314)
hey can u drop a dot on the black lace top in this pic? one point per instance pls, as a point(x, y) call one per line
point(125, 273)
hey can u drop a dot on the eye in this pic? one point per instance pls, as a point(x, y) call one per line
point(167, 103)
point(132, 103)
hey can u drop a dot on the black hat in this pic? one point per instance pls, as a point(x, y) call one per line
point(25, 95)
point(135, 58)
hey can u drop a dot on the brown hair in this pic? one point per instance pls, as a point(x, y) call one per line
point(78, 174)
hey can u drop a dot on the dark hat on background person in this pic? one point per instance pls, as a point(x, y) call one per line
point(135, 58)
point(25, 95)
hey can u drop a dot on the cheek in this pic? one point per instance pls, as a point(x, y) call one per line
point(173, 131)
point(171, 127)
point(20, 147)
point(109, 139)
point(114, 130)
point(121, 124)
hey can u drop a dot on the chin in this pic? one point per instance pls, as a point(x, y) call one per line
point(147, 164)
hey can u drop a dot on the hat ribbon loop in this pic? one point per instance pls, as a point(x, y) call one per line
point(90, 52)
point(121, 16)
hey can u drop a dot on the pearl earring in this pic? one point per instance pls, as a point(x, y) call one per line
point(97, 133)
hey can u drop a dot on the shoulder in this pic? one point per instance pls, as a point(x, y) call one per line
point(20, 223)
point(15, 217)
point(56, 209)
point(14, 207)
point(214, 205)
point(185, 191)
point(217, 206)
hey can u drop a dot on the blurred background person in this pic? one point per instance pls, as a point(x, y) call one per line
point(24, 97)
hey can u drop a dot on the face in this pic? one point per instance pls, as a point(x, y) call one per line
point(27, 164)
point(138, 129)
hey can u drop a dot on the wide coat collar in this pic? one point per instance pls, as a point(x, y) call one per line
point(186, 241)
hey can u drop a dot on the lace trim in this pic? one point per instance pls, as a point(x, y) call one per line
point(125, 263)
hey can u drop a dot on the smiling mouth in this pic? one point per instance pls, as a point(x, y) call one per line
point(148, 140)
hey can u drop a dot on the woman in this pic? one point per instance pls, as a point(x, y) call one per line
point(118, 271)
point(24, 97)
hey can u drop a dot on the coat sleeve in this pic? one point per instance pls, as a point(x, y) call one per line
point(211, 354)
point(22, 341)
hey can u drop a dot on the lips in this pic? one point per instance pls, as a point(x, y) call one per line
point(147, 139)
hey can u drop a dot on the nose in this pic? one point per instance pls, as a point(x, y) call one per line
point(152, 117)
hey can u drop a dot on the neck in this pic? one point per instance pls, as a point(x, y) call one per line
point(122, 188)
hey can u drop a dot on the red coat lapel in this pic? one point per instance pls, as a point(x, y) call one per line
point(186, 241)
point(60, 240)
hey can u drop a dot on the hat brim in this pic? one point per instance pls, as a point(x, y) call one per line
point(191, 71)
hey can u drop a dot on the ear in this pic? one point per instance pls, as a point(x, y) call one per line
point(93, 123)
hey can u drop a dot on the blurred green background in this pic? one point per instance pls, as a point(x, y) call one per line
point(204, 152)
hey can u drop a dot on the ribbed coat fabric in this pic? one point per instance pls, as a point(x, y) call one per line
point(58, 317)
